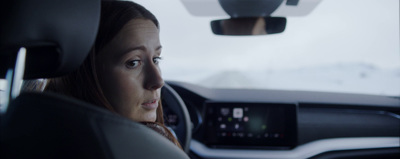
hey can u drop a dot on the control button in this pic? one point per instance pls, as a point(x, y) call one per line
point(222, 126)
point(236, 126)
point(225, 111)
point(237, 112)
point(223, 134)
point(246, 119)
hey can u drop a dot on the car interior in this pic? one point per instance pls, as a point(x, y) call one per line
point(51, 38)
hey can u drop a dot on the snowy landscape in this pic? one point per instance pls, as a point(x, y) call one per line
point(348, 78)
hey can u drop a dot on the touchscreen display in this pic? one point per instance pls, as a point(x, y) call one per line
point(251, 124)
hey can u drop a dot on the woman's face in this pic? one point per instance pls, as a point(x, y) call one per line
point(128, 70)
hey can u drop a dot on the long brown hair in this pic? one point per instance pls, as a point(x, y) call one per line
point(83, 83)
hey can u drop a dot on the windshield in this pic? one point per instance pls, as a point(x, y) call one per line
point(341, 46)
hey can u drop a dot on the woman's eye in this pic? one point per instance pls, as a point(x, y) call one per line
point(132, 64)
point(157, 60)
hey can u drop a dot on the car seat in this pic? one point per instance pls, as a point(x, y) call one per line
point(50, 38)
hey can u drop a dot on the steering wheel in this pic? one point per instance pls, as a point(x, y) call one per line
point(176, 116)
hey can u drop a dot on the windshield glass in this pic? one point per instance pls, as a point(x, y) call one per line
point(341, 46)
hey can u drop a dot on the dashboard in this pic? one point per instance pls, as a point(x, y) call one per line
point(250, 123)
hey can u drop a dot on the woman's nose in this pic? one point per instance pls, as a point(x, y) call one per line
point(153, 80)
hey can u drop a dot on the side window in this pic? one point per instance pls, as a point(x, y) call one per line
point(36, 85)
point(3, 85)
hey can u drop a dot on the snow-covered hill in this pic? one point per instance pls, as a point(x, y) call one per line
point(349, 78)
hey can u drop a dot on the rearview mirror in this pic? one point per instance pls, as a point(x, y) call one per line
point(249, 26)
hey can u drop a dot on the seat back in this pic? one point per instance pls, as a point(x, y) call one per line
point(59, 127)
point(58, 35)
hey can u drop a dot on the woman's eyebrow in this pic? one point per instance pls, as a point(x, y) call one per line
point(159, 48)
point(129, 49)
point(141, 47)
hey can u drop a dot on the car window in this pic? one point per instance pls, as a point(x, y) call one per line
point(341, 46)
point(3, 85)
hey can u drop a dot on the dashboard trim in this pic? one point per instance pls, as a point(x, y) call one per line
point(303, 151)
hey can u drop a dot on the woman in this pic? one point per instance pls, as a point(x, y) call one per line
point(121, 72)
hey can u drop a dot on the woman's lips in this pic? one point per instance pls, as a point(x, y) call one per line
point(150, 105)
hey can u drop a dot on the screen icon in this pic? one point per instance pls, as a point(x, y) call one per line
point(246, 119)
point(222, 126)
point(236, 126)
point(223, 134)
point(225, 111)
point(237, 112)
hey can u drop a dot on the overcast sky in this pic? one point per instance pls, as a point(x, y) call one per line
point(337, 31)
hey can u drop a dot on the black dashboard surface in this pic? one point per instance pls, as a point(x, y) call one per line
point(322, 119)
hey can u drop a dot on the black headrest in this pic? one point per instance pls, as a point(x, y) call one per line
point(58, 34)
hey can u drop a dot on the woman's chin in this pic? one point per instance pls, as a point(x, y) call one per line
point(149, 117)
point(144, 115)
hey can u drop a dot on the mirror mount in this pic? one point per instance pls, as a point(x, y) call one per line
point(249, 8)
